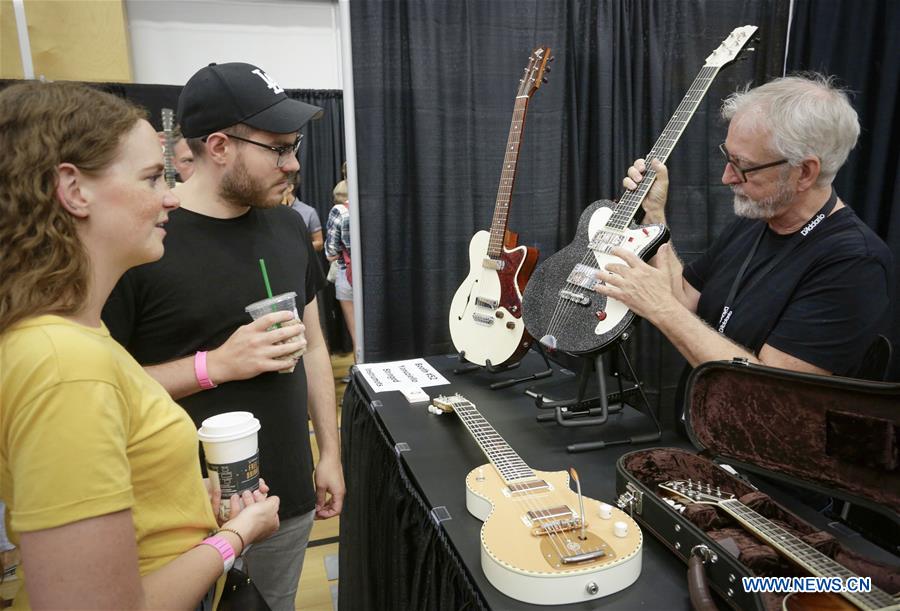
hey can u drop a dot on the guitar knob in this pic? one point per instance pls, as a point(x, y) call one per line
point(601, 314)
point(620, 529)
point(510, 324)
point(499, 313)
point(605, 511)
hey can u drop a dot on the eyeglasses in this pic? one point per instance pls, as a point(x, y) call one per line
point(284, 152)
point(742, 172)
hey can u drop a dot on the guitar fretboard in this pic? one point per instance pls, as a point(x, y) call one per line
point(507, 178)
point(509, 464)
point(631, 200)
point(808, 557)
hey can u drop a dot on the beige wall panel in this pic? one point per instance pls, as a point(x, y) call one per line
point(10, 61)
point(77, 40)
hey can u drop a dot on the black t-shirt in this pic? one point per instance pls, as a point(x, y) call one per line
point(824, 303)
point(194, 298)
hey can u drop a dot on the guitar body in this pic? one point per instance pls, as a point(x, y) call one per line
point(572, 317)
point(486, 311)
point(525, 566)
point(816, 601)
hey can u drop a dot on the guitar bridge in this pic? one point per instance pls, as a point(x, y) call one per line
point(557, 526)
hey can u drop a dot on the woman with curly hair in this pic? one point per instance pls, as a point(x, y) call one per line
point(98, 466)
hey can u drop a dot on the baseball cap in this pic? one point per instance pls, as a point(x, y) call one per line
point(221, 95)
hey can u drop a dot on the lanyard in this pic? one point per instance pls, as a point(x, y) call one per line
point(814, 222)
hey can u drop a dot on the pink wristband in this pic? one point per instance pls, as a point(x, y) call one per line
point(225, 550)
point(201, 372)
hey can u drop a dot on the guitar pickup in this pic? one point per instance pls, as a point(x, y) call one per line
point(482, 319)
point(495, 264)
point(551, 513)
point(535, 485)
point(584, 276)
point(578, 298)
point(481, 302)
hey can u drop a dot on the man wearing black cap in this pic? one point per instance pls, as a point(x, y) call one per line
point(183, 317)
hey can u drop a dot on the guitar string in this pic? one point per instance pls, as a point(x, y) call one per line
point(685, 105)
point(480, 437)
point(564, 307)
point(505, 463)
point(556, 535)
point(795, 546)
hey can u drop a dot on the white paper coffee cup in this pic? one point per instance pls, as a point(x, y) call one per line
point(232, 455)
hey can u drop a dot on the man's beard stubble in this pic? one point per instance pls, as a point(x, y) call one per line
point(766, 208)
point(241, 189)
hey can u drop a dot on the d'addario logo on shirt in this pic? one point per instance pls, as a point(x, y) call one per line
point(812, 224)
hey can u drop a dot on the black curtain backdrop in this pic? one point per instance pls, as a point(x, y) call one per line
point(320, 167)
point(857, 41)
point(435, 84)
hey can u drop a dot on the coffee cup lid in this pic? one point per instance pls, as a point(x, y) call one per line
point(270, 301)
point(228, 427)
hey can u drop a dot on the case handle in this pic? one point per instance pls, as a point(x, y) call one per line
point(701, 597)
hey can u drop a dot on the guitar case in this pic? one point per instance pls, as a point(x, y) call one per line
point(785, 435)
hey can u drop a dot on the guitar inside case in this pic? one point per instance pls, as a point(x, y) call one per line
point(835, 436)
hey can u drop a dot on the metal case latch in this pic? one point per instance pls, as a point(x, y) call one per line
point(632, 499)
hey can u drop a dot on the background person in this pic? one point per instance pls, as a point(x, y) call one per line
point(337, 248)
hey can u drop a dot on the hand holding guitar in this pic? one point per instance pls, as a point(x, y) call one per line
point(655, 203)
point(646, 289)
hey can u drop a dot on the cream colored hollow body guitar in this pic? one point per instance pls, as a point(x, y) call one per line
point(539, 543)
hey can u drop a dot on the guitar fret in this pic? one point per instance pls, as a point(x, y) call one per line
point(814, 561)
point(507, 179)
point(508, 463)
point(630, 202)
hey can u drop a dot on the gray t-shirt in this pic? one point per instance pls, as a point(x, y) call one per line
point(309, 214)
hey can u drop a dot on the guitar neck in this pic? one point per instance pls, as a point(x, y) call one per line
point(168, 121)
point(509, 465)
point(631, 200)
point(804, 555)
point(507, 178)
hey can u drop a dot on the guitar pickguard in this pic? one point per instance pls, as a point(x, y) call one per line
point(559, 300)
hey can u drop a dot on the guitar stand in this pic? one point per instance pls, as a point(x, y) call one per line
point(470, 367)
point(595, 411)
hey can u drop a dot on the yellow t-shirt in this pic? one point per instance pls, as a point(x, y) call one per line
point(85, 432)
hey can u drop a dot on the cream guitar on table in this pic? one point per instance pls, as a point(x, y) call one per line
point(486, 311)
point(560, 306)
point(541, 543)
point(793, 548)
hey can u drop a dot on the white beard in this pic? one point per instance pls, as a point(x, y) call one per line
point(764, 209)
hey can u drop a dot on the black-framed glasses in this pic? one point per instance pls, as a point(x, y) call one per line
point(742, 172)
point(284, 152)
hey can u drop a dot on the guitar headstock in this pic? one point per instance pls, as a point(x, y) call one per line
point(535, 72)
point(168, 125)
point(168, 119)
point(445, 405)
point(696, 492)
point(731, 46)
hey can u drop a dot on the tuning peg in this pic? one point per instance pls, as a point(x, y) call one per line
point(544, 80)
point(551, 58)
point(547, 70)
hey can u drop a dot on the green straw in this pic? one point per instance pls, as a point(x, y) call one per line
point(262, 266)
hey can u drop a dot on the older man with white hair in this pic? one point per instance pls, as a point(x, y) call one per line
point(797, 281)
